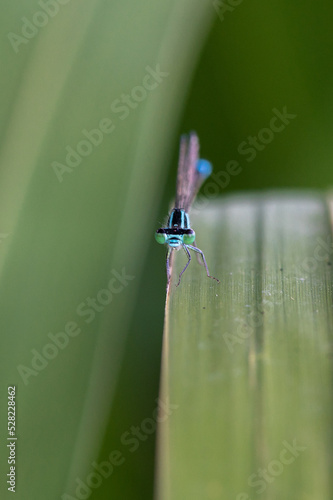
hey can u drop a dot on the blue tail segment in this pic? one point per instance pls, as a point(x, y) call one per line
point(204, 168)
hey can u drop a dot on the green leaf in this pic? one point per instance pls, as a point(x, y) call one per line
point(248, 363)
point(80, 175)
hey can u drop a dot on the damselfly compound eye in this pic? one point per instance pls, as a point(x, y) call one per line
point(160, 237)
point(189, 237)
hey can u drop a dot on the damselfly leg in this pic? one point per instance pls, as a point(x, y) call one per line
point(204, 261)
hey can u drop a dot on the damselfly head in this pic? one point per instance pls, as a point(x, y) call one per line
point(175, 237)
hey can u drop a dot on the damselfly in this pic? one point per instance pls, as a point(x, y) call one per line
point(192, 172)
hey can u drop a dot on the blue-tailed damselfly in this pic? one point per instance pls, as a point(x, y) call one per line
point(192, 172)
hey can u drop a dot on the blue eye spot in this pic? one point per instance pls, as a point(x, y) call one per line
point(204, 167)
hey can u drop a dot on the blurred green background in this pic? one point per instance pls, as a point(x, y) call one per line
point(63, 72)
